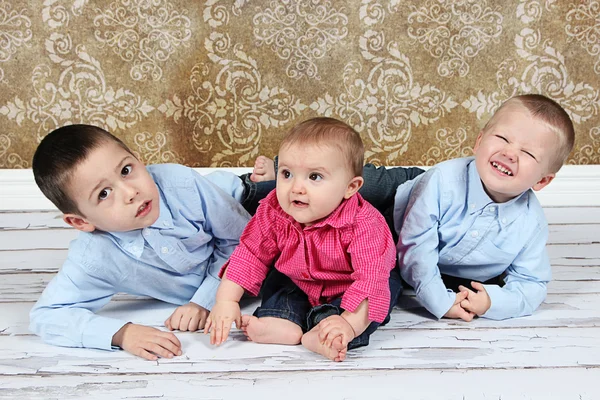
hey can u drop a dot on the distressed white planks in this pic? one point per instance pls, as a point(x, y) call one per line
point(510, 384)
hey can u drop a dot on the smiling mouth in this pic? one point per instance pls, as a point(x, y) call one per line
point(502, 169)
point(299, 203)
point(144, 209)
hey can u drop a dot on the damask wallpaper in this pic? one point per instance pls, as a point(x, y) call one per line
point(216, 83)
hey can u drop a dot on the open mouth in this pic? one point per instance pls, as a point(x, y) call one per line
point(502, 169)
point(299, 203)
point(144, 209)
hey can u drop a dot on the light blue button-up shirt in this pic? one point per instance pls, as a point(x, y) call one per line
point(176, 260)
point(448, 224)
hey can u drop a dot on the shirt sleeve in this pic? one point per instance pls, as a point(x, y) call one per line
point(525, 281)
point(225, 220)
point(372, 254)
point(257, 251)
point(65, 313)
point(417, 211)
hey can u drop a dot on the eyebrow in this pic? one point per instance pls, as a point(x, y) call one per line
point(117, 168)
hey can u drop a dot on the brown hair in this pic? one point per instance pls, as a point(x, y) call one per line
point(331, 132)
point(57, 156)
point(551, 113)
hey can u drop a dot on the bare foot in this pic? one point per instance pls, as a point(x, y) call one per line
point(271, 330)
point(337, 351)
point(264, 170)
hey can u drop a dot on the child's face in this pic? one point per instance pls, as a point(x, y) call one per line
point(515, 154)
point(312, 182)
point(113, 191)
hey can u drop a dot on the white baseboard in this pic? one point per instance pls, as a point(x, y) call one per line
point(574, 185)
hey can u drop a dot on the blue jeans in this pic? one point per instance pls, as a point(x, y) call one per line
point(379, 188)
point(281, 298)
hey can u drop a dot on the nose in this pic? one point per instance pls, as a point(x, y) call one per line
point(298, 186)
point(129, 193)
point(510, 152)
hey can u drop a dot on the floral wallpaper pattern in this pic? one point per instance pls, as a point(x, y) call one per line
point(216, 83)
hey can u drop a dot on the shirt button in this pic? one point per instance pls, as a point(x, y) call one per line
point(504, 220)
point(166, 223)
point(146, 232)
point(450, 258)
point(492, 208)
point(474, 234)
point(472, 205)
point(164, 250)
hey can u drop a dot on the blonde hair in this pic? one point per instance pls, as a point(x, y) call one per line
point(329, 132)
point(553, 115)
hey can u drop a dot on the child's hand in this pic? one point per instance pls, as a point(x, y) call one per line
point(220, 318)
point(476, 302)
point(188, 317)
point(147, 342)
point(456, 311)
point(334, 326)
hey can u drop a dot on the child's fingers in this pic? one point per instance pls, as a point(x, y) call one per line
point(478, 286)
point(462, 289)
point(463, 294)
point(146, 354)
point(225, 331)
point(208, 325)
point(194, 323)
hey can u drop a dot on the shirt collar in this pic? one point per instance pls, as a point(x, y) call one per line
point(133, 241)
point(478, 199)
point(343, 215)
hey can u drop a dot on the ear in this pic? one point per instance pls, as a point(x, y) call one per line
point(353, 186)
point(477, 142)
point(543, 182)
point(78, 222)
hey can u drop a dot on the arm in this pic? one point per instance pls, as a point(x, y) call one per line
point(416, 217)
point(372, 255)
point(65, 316)
point(225, 311)
point(65, 313)
point(224, 219)
point(381, 183)
point(526, 281)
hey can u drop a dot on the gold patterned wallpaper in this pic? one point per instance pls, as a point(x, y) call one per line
point(216, 83)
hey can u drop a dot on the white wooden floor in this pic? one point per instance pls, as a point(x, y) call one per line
point(554, 354)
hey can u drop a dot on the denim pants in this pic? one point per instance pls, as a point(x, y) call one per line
point(379, 188)
point(281, 298)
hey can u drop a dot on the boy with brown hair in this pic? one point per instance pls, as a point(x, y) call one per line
point(162, 231)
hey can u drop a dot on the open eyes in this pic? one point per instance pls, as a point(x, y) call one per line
point(286, 174)
point(126, 170)
point(104, 193)
point(315, 177)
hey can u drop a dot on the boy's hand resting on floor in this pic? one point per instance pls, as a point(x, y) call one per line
point(476, 302)
point(188, 317)
point(147, 342)
point(457, 311)
point(220, 318)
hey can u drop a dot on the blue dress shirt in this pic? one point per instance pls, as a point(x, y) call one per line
point(177, 259)
point(448, 224)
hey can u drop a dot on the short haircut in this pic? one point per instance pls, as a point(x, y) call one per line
point(554, 116)
point(59, 154)
point(329, 132)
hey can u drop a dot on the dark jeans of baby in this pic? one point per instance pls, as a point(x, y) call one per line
point(281, 298)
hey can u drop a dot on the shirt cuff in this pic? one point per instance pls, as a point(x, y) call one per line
point(205, 295)
point(99, 332)
point(433, 299)
point(497, 310)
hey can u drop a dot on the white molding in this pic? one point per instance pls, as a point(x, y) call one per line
point(574, 185)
